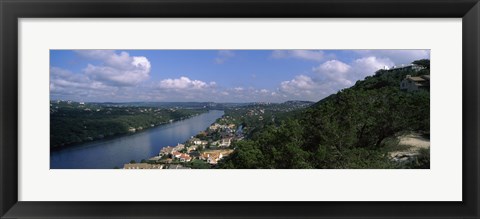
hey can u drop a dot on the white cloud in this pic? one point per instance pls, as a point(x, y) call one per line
point(240, 94)
point(109, 76)
point(61, 78)
point(398, 57)
point(334, 71)
point(184, 83)
point(330, 77)
point(340, 74)
point(333, 67)
point(116, 69)
point(369, 65)
point(178, 89)
point(65, 84)
point(311, 55)
point(298, 86)
point(116, 76)
point(239, 89)
point(223, 56)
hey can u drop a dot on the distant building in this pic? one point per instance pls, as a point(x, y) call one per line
point(217, 126)
point(185, 158)
point(225, 142)
point(415, 83)
point(176, 154)
point(211, 157)
point(166, 151)
point(192, 148)
point(214, 158)
point(196, 141)
point(179, 147)
point(403, 67)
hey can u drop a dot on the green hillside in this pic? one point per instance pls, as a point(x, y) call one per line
point(350, 129)
point(74, 123)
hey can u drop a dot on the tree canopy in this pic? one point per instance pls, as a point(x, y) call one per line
point(344, 130)
point(423, 62)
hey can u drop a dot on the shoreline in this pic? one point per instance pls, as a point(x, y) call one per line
point(118, 136)
point(164, 159)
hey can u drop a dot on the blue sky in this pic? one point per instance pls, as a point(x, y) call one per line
point(213, 75)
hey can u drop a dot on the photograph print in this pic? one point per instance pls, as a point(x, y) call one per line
point(239, 109)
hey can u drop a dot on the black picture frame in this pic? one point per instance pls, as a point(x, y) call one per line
point(12, 10)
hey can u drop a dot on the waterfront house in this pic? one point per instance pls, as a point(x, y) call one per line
point(179, 147)
point(196, 141)
point(166, 151)
point(176, 154)
point(211, 157)
point(185, 158)
point(192, 148)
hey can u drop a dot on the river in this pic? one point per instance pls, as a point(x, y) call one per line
point(107, 154)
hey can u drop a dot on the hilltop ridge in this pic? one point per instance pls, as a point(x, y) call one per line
point(350, 129)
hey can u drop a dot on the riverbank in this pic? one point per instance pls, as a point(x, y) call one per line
point(119, 135)
point(77, 123)
point(202, 151)
point(106, 154)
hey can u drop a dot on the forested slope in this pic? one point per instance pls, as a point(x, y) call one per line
point(74, 123)
point(345, 130)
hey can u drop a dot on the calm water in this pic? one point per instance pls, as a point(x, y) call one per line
point(107, 154)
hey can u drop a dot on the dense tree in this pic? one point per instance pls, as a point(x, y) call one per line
point(198, 164)
point(344, 130)
point(74, 123)
point(423, 62)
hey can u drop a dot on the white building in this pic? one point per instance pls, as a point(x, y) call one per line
point(225, 142)
point(413, 67)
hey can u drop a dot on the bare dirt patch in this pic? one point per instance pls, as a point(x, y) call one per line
point(411, 144)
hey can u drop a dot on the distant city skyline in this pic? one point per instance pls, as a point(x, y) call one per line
point(213, 75)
